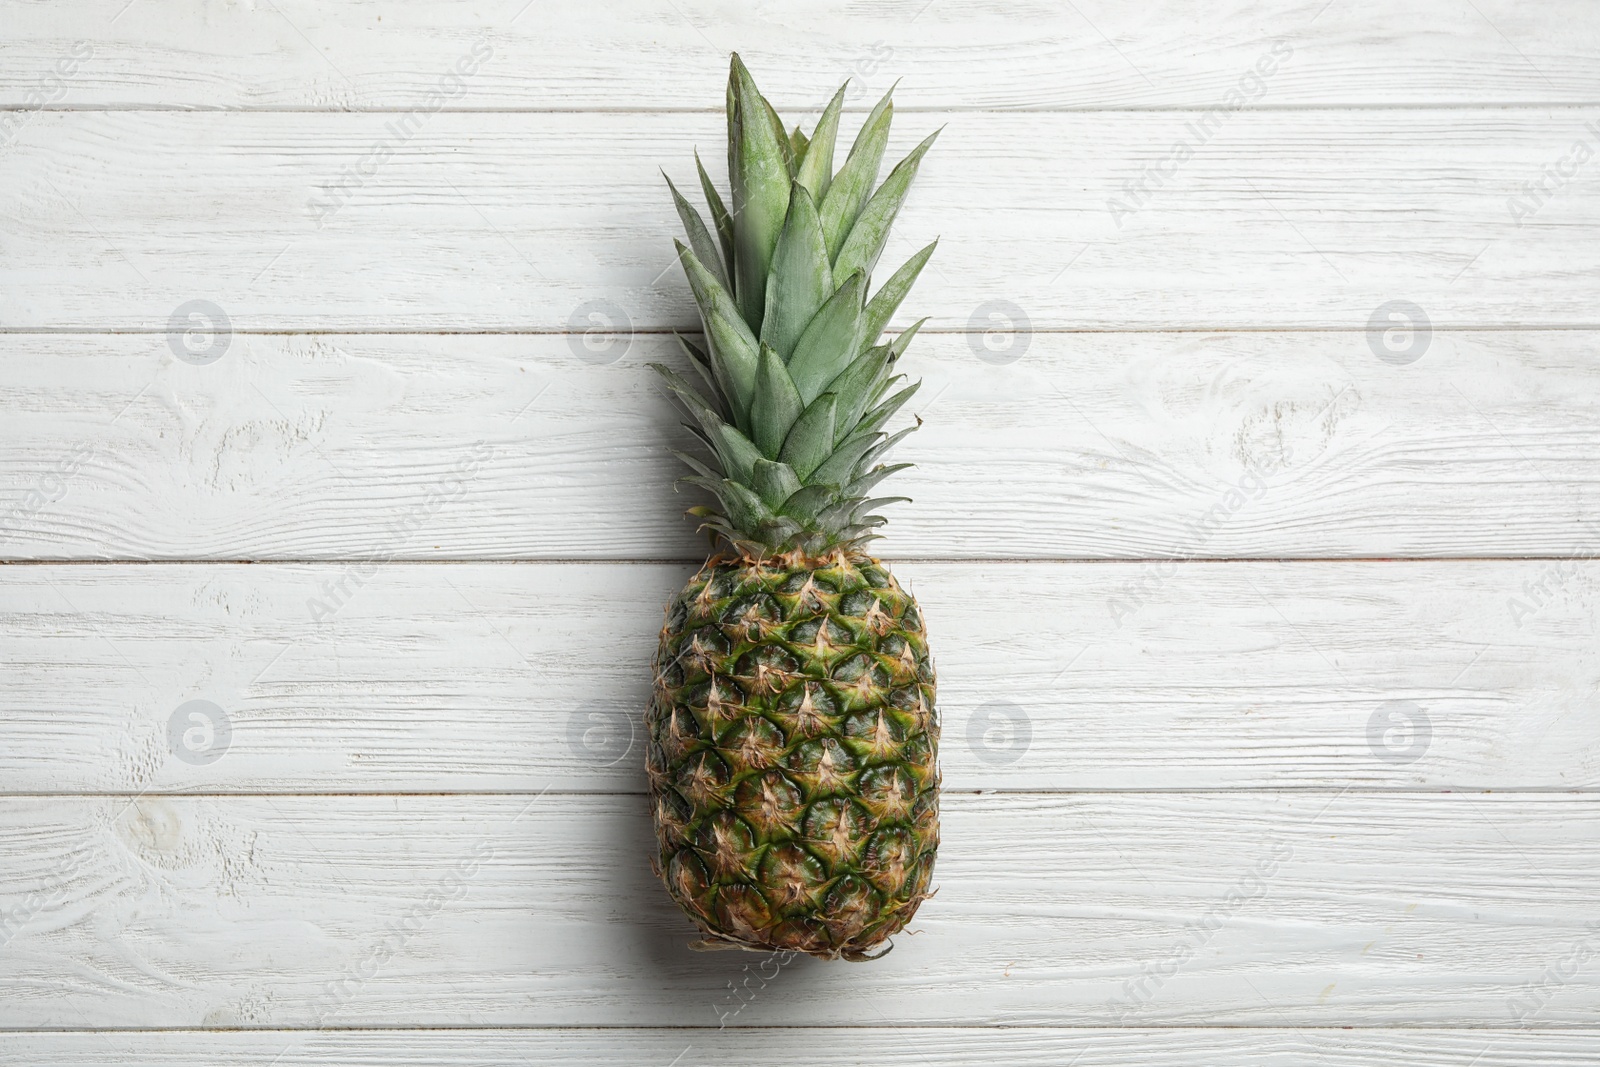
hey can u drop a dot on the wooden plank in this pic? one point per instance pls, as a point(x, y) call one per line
point(491, 222)
point(1137, 910)
point(485, 677)
point(672, 53)
point(813, 1046)
point(1087, 446)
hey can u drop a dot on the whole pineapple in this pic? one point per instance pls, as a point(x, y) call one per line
point(793, 738)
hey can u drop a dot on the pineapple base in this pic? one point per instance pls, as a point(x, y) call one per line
point(793, 755)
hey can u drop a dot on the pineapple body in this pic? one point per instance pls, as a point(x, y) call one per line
point(792, 755)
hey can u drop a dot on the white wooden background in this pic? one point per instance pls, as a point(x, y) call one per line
point(1268, 652)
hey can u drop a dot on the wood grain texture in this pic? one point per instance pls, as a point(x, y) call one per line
point(491, 222)
point(649, 54)
point(812, 1047)
point(1227, 909)
point(1087, 446)
point(513, 677)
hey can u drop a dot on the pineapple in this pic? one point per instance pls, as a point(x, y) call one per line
point(793, 740)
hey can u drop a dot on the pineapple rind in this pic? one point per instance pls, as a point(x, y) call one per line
point(792, 755)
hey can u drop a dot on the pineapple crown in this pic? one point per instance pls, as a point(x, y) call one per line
point(797, 388)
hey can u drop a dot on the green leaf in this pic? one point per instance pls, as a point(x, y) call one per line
point(833, 518)
point(744, 508)
point(698, 405)
point(858, 535)
point(699, 237)
point(885, 386)
point(879, 450)
point(736, 452)
point(899, 345)
point(784, 144)
point(839, 468)
point(715, 520)
point(800, 280)
point(773, 482)
point(876, 502)
point(862, 485)
point(695, 465)
point(881, 414)
point(869, 232)
point(855, 179)
point(848, 512)
point(701, 362)
point(797, 144)
point(692, 350)
point(805, 503)
point(733, 347)
point(853, 385)
point(713, 484)
point(758, 169)
point(884, 303)
point(888, 383)
point(719, 214)
point(776, 404)
point(816, 163)
point(811, 440)
point(830, 341)
point(777, 529)
point(699, 435)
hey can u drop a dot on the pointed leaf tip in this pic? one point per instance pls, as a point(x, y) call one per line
point(851, 187)
point(815, 169)
point(776, 404)
point(870, 230)
point(760, 159)
point(800, 280)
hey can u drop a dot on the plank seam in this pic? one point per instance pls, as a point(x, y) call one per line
point(488, 1028)
point(694, 331)
point(695, 561)
point(807, 110)
point(1310, 790)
